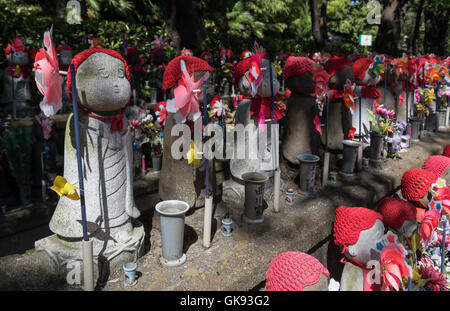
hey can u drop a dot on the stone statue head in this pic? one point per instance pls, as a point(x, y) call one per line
point(102, 79)
point(298, 74)
point(18, 58)
point(340, 70)
point(355, 230)
point(398, 214)
point(65, 56)
point(296, 271)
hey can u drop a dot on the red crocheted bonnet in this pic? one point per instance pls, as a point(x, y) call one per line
point(415, 183)
point(446, 151)
point(296, 66)
point(437, 164)
point(336, 63)
point(293, 271)
point(396, 211)
point(350, 221)
point(81, 57)
point(360, 67)
point(173, 71)
point(63, 47)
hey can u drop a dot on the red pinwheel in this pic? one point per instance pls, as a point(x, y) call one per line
point(161, 114)
point(393, 266)
point(429, 223)
point(47, 76)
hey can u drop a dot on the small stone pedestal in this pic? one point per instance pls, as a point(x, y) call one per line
point(66, 254)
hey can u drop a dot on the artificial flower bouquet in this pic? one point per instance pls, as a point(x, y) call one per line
point(382, 120)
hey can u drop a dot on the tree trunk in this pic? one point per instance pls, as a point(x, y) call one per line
point(388, 36)
point(415, 34)
point(319, 25)
point(184, 27)
point(436, 28)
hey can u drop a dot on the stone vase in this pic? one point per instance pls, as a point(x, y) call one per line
point(430, 122)
point(350, 153)
point(376, 147)
point(442, 113)
point(308, 164)
point(156, 162)
point(254, 197)
point(415, 129)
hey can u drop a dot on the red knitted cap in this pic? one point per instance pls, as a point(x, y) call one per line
point(446, 151)
point(360, 67)
point(240, 69)
point(350, 221)
point(81, 57)
point(415, 183)
point(292, 271)
point(296, 66)
point(173, 71)
point(437, 164)
point(336, 63)
point(63, 47)
point(396, 211)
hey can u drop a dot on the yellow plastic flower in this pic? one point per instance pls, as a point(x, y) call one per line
point(278, 67)
point(192, 154)
point(63, 188)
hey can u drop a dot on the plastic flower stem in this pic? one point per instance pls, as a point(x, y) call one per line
point(78, 149)
point(407, 97)
point(385, 86)
point(360, 116)
point(205, 121)
point(443, 244)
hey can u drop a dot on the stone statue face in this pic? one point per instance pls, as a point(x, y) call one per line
point(409, 227)
point(301, 85)
point(264, 87)
point(340, 77)
point(102, 84)
point(65, 57)
point(18, 58)
point(361, 249)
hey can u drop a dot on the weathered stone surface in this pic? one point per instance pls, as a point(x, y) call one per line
point(299, 133)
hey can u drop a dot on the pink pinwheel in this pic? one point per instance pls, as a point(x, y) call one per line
point(429, 223)
point(400, 99)
point(186, 96)
point(393, 266)
point(46, 124)
point(317, 125)
point(320, 79)
point(47, 76)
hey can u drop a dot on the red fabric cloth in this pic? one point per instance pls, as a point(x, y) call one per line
point(81, 57)
point(446, 151)
point(370, 92)
point(396, 211)
point(293, 271)
point(437, 164)
point(23, 72)
point(336, 63)
point(350, 221)
point(336, 95)
point(264, 105)
point(173, 73)
point(296, 66)
point(116, 121)
point(415, 183)
point(360, 67)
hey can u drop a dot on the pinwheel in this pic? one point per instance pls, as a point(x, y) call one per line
point(254, 75)
point(401, 66)
point(161, 114)
point(47, 76)
point(429, 223)
point(192, 155)
point(185, 104)
point(349, 96)
point(218, 107)
point(320, 79)
point(377, 67)
point(394, 267)
point(63, 188)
